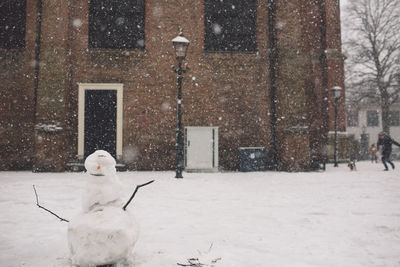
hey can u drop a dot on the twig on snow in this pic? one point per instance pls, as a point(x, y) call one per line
point(49, 211)
point(134, 193)
point(209, 249)
point(195, 262)
point(216, 260)
point(212, 243)
point(192, 262)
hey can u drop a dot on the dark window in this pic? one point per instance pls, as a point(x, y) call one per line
point(372, 118)
point(394, 118)
point(12, 23)
point(116, 24)
point(230, 25)
point(352, 118)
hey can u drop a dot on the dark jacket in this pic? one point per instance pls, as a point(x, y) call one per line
point(386, 143)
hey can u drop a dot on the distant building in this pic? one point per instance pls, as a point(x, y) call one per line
point(83, 75)
point(364, 121)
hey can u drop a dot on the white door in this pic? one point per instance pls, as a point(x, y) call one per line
point(201, 147)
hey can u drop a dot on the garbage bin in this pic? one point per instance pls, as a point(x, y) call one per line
point(252, 159)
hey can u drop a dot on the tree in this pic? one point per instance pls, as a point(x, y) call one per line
point(372, 44)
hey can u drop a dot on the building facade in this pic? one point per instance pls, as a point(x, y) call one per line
point(364, 121)
point(80, 75)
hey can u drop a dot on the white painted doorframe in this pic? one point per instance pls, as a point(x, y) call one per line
point(82, 87)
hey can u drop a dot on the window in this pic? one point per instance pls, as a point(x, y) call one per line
point(352, 118)
point(394, 118)
point(116, 24)
point(12, 23)
point(372, 118)
point(230, 25)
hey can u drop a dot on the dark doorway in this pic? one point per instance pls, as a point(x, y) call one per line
point(100, 121)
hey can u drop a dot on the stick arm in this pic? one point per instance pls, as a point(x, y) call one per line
point(49, 211)
point(134, 193)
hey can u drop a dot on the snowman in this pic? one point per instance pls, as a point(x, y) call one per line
point(104, 233)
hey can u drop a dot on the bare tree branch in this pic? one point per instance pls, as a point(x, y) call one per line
point(49, 211)
point(373, 51)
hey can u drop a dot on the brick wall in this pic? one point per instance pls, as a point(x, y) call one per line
point(17, 100)
point(228, 90)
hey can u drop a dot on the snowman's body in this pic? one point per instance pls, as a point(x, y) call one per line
point(103, 185)
point(104, 233)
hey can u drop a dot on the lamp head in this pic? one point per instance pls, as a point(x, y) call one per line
point(337, 90)
point(181, 45)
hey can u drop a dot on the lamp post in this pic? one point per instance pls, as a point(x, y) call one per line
point(336, 90)
point(180, 44)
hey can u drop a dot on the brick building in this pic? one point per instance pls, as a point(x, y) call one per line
point(259, 70)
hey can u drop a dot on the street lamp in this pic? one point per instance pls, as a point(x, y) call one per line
point(336, 90)
point(180, 44)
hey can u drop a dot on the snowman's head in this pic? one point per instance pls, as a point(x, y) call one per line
point(100, 163)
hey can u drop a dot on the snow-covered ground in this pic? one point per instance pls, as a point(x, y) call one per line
point(333, 218)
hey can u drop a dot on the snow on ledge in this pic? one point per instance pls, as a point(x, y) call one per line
point(49, 128)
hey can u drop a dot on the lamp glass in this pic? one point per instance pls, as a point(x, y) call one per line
point(180, 50)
